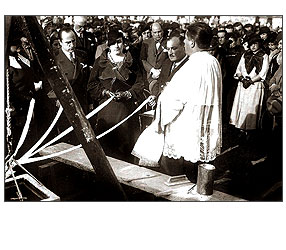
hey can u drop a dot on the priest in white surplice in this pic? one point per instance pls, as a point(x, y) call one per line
point(187, 125)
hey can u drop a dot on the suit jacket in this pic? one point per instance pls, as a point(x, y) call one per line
point(77, 74)
point(166, 75)
point(151, 57)
point(87, 44)
point(21, 84)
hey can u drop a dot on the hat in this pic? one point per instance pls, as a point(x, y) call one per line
point(112, 36)
point(264, 30)
point(254, 39)
point(246, 37)
point(144, 27)
point(272, 37)
point(233, 35)
point(248, 25)
point(175, 25)
point(214, 31)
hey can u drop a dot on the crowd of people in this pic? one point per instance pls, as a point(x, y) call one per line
point(202, 81)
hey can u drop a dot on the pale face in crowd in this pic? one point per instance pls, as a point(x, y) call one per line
point(146, 34)
point(264, 36)
point(68, 42)
point(239, 29)
point(117, 48)
point(189, 45)
point(157, 32)
point(176, 50)
point(56, 44)
point(25, 43)
point(79, 28)
point(279, 57)
point(80, 24)
point(232, 43)
point(254, 47)
point(245, 46)
point(248, 29)
point(221, 37)
point(272, 46)
point(279, 46)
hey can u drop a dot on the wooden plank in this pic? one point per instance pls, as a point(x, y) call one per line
point(138, 177)
point(72, 108)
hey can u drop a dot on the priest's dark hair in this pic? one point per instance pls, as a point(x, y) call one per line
point(201, 33)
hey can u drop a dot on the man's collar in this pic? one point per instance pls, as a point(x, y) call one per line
point(68, 54)
point(179, 62)
point(159, 40)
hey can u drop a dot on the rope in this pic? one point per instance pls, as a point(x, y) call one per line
point(68, 130)
point(17, 163)
point(26, 155)
point(8, 117)
point(26, 127)
point(125, 119)
point(19, 194)
point(35, 159)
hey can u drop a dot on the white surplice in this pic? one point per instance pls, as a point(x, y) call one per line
point(188, 115)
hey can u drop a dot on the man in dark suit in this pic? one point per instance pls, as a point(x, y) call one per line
point(85, 40)
point(153, 54)
point(175, 60)
point(73, 63)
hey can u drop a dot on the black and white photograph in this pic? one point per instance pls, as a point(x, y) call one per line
point(142, 125)
point(143, 108)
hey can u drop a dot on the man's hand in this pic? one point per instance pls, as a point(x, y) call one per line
point(155, 73)
point(152, 101)
point(38, 85)
point(122, 95)
point(107, 93)
point(58, 104)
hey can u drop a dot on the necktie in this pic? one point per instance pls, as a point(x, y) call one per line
point(30, 54)
point(174, 66)
point(157, 45)
point(72, 58)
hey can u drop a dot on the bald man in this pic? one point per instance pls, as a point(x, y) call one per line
point(153, 54)
point(73, 63)
point(85, 41)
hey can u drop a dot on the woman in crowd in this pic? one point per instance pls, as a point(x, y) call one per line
point(274, 57)
point(55, 43)
point(251, 72)
point(114, 73)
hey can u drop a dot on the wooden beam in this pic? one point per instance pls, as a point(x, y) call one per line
point(141, 178)
point(72, 108)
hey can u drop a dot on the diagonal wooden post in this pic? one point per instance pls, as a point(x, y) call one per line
point(72, 108)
